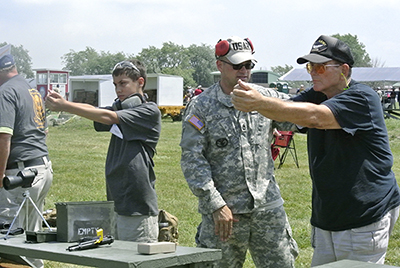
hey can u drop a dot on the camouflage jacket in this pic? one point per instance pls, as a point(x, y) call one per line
point(226, 154)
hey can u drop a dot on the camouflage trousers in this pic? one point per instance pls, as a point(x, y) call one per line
point(266, 234)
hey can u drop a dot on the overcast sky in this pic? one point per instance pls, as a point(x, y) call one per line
point(281, 30)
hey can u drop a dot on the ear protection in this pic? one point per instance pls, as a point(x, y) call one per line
point(223, 47)
point(130, 102)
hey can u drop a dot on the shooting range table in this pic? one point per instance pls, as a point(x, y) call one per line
point(118, 254)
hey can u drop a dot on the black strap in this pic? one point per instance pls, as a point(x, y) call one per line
point(29, 163)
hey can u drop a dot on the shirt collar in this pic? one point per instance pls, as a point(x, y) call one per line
point(223, 98)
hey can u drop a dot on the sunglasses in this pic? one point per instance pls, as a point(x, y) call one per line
point(250, 65)
point(125, 64)
point(319, 68)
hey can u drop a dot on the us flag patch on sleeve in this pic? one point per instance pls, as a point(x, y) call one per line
point(196, 122)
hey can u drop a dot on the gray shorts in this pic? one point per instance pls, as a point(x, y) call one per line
point(368, 243)
point(137, 228)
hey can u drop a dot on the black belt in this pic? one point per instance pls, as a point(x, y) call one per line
point(29, 163)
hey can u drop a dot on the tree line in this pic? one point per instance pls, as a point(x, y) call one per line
point(194, 63)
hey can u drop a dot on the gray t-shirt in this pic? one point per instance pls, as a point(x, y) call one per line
point(22, 114)
point(129, 166)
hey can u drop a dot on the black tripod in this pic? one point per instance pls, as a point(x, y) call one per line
point(26, 196)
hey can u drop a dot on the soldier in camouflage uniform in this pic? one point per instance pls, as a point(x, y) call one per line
point(226, 160)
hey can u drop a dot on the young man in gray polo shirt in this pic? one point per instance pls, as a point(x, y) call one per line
point(135, 126)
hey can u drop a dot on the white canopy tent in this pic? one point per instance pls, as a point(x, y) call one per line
point(360, 74)
point(387, 75)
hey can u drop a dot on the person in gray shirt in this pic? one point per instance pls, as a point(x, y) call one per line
point(22, 147)
point(135, 125)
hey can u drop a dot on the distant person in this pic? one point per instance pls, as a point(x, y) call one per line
point(22, 146)
point(398, 97)
point(300, 89)
point(385, 99)
point(187, 97)
point(227, 162)
point(198, 91)
point(57, 88)
point(379, 92)
point(392, 98)
point(355, 196)
point(135, 126)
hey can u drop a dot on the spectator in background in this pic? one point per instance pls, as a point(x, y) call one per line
point(187, 98)
point(300, 89)
point(398, 97)
point(392, 98)
point(198, 91)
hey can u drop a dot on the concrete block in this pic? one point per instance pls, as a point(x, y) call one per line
point(155, 248)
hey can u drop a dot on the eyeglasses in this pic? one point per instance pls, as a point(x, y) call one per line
point(249, 65)
point(125, 64)
point(318, 67)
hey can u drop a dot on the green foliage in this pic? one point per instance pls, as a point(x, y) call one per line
point(22, 60)
point(193, 63)
point(78, 156)
point(187, 74)
point(173, 56)
point(361, 57)
point(91, 62)
point(170, 59)
point(202, 60)
point(151, 59)
point(281, 70)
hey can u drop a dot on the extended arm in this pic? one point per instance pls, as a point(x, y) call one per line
point(246, 99)
point(56, 102)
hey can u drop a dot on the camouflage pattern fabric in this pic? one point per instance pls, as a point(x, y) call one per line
point(226, 157)
point(267, 234)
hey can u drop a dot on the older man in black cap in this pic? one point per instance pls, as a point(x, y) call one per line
point(355, 198)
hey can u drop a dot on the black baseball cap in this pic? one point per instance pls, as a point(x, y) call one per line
point(328, 48)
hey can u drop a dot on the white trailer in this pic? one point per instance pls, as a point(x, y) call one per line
point(98, 90)
point(167, 92)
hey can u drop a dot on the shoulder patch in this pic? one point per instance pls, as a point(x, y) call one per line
point(196, 122)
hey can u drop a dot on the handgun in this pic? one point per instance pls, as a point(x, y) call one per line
point(92, 242)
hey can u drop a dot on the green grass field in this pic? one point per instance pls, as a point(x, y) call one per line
point(78, 155)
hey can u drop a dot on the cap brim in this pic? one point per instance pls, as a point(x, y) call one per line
point(316, 58)
point(240, 57)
